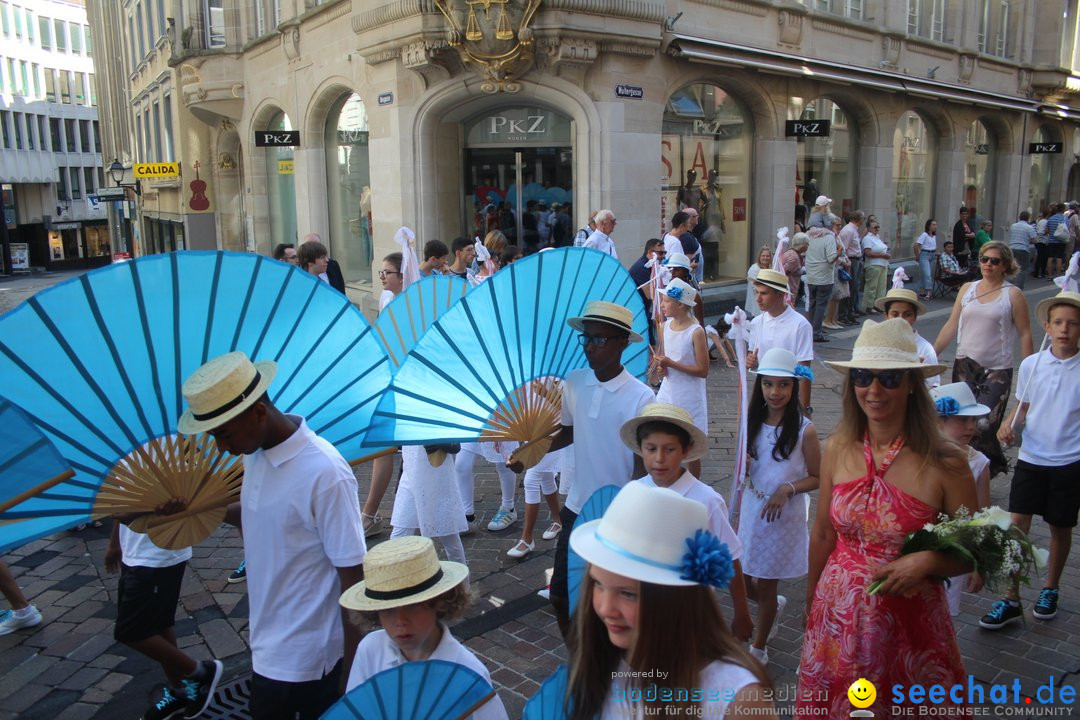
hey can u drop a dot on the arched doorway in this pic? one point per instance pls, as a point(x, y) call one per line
point(1042, 169)
point(914, 151)
point(348, 187)
point(826, 162)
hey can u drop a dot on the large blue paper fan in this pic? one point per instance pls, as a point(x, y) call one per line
point(29, 467)
point(593, 509)
point(471, 375)
point(549, 702)
point(97, 362)
point(408, 316)
point(434, 689)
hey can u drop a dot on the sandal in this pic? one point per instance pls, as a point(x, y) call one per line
point(553, 532)
point(521, 549)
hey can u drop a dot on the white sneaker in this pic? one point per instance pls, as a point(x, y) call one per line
point(502, 520)
point(761, 656)
point(781, 603)
point(521, 549)
point(11, 621)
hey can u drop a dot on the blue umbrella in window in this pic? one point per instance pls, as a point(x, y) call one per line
point(97, 363)
point(32, 477)
point(408, 316)
point(489, 369)
point(424, 689)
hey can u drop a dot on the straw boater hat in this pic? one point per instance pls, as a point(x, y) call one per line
point(773, 279)
point(900, 295)
point(642, 535)
point(665, 412)
point(888, 345)
point(607, 313)
point(1042, 310)
point(681, 291)
point(402, 571)
point(679, 260)
point(963, 401)
point(222, 389)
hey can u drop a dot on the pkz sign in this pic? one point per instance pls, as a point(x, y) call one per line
point(807, 128)
point(519, 126)
point(277, 138)
point(1044, 148)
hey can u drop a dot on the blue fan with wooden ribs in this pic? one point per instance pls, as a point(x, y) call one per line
point(434, 689)
point(490, 368)
point(408, 316)
point(97, 364)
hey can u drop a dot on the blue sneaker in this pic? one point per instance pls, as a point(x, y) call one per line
point(239, 574)
point(1001, 614)
point(1046, 607)
point(169, 706)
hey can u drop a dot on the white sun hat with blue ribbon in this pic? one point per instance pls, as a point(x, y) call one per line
point(681, 291)
point(778, 362)
point(956, 399)
point(655, 535)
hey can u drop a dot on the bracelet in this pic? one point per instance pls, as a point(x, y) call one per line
point(794, 492)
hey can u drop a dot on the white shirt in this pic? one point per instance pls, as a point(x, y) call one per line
point(600, 409)
point(693, 489)
point(926, 353)
point(672, 244)
point(378, 652)
point(874, 244)
point(788, 330)
point(603, 243)
point(1051, 434)
point(139, 550)
point(926, 241)
point(301, 520)
point(385, 297)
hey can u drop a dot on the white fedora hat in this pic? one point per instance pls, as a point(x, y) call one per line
point(402, 571)
point(957, 399)
point(900, 295)
point(778, 362)
point(681, 291)
point(647, 533)
point(773, 279)
point(1042, 310)
point(665, 412)
point(675, 260)
point(888, 345)
point(222, 389)
point(608, 313)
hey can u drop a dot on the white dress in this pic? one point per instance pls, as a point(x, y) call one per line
point(680, 388)
point(427, 497)
point(954, 590)
point(777, 549)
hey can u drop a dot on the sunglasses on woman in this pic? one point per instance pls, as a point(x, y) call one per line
point(889, 379)
point(995, 261)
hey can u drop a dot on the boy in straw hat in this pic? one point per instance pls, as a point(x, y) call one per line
point(596, 402)
point(412, 594)
point(1047, 477)
point(904, 304)
point(303, 537)
point(666, 437)
point(780, 325)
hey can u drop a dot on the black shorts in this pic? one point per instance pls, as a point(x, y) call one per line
point(1052, 492)
point(559, 586)
point(1055, 250)
point(146, 601)
point(281, 700)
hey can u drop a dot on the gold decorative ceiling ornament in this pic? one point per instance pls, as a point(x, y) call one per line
point(483, 33)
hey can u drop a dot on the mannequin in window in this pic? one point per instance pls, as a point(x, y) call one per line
point(715, 220)
point(689, 195)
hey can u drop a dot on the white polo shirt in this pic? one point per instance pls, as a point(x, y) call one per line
point(1052, 429)
point(788, 330)
point(138, 550)
point(301, 520)
point(597, 410)
point(928, 357)
point(690, 487)
point(672, 245)
point(603, 243)
point(377, 652)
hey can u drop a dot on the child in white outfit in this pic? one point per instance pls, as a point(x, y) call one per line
point(427, 500)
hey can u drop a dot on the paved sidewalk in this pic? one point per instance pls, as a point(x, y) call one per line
point(69, 668)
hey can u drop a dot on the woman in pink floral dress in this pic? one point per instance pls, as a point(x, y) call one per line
point(886, 472)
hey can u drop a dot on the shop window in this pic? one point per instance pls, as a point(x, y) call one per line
point(914, 149)
point(827, 161)
point(280, 187)
point(1042, 171)
point(1073, 185)
point(705, 158)
point(348, 187)
point(980, 153)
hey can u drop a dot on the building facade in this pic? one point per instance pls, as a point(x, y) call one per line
point(349, 118)
point(50, 154)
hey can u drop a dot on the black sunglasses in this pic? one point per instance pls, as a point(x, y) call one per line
point(995, 261)
point(597, 340)
point(889, 379)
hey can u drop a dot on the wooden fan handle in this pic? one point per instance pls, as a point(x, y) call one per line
point(8, 504)
point(476, 706)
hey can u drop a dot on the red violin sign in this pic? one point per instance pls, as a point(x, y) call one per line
point(199, 201)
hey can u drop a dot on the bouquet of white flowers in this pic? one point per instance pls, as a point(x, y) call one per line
point(999, 551)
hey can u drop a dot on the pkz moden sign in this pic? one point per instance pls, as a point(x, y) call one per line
point(1044, 148)
point(807, 128)
point(277, 138)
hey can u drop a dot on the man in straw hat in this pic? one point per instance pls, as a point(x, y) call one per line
point(780, 325)
point(303, 537)
point(904, 304)
point(596, 402)
point(1046, 480)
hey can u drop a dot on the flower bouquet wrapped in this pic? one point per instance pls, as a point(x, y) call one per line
point(998, 550)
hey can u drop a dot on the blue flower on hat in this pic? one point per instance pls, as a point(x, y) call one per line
point(947, 406)
point(801, 371)
point(675, 293)
point(707, 560)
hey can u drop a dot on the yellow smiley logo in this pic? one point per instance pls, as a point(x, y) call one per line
point(862, 693)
